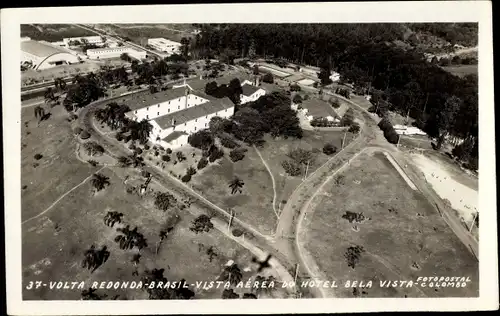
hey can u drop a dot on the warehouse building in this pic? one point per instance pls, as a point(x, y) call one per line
point(76, 41)
point(165, 45)
point(103, 53)
point(43, 55)
point(177, 112)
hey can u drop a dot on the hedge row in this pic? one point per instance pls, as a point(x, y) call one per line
point(389, 131)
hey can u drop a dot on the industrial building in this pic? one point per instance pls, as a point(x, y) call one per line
point(96, 40)
point(108, 52)
point(165, 45)
point(177, 112)
point(43, 55)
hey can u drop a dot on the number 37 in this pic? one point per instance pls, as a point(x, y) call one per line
point(32, 284)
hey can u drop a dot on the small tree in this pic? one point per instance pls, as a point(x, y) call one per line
point(165, 158)
point(236, 185)
point(268, 78)
point(354, 128)
point(215, 153)
point(99, 181)
point(202, 163)
point(237, 154)
point(201, 224)
point(329, 149)
point(229, 294)
point(164, 200)
point(186, 178)
point(291, 167)
point(92, 148)
point(352, 255)
point(295, 87)
point(348, 118)
point(180, 156)
point(297, 99)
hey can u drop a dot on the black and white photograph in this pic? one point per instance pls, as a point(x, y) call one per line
point(193, 159)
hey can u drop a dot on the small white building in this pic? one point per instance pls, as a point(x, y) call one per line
point(335, 76)
point(165, 45)
point(103, 53)
point(177, 113)
point(408, 130)
point(250, 92)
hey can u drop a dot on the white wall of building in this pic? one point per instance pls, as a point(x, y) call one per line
point(103, 53)
point(245, 99)
point(168, 107)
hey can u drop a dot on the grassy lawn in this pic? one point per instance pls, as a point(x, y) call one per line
point(254, 204)
point(411, 232)
point(52, 253)
point(276, 150)
point(58, 170)
point(140, 33)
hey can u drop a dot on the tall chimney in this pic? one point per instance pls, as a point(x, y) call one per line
point(257, 81)
point(186, 94)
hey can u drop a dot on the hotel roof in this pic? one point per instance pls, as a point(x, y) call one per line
point(142, 100)
point(248, 90)
point(180, 117)
point(173, 136)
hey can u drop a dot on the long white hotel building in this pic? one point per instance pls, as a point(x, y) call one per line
point(182, 110)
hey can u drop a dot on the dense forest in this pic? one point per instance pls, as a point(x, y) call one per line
point(364, 54)
point(456, 33)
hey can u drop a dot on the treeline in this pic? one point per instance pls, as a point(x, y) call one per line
point(441, 103)
point(456, 33)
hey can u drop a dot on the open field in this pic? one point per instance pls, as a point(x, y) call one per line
point(275, 151)
point(402, 235)
point(58, 170)
point(52, 32)
point(54, 244)
point(255, 204)
point(461, 70)
point(140, 33)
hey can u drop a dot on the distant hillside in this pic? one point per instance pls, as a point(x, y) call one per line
point(465, 34)
point(52, 32)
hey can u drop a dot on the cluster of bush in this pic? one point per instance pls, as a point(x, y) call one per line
point(292, 168)
point(389, 131)
point(237, 154)
point(189, 173)
point(335, 103)
point(322, 122)
point(228, 142)
point(343, 92)
point(329, 149)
